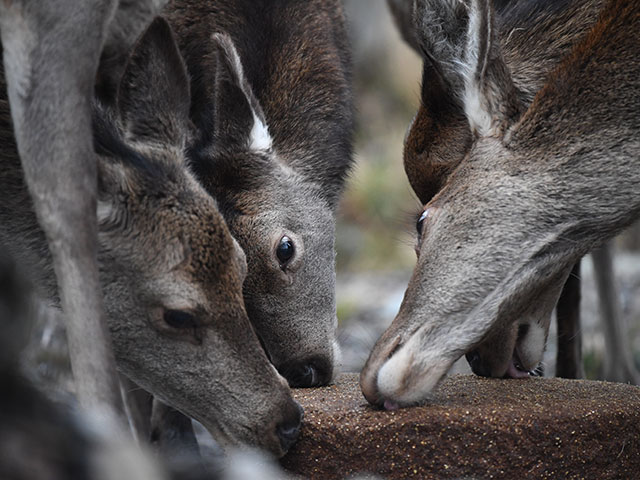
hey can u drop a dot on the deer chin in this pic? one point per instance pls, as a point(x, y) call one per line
point(528, 352)
point(512, 352)
point(231, 436)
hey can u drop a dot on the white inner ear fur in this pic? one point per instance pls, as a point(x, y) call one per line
point(104, 211)
point(259, 138)
point(475, 104)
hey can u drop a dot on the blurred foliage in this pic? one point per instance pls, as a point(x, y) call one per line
point(375, 226)
point(593, 363)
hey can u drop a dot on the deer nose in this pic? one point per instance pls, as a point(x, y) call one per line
point(477, 365)
point(289, 430)
point(309, 373)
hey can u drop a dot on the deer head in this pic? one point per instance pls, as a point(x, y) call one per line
point(283, 221)
point(508, 208)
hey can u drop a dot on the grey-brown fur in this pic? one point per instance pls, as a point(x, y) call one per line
point(533, 34)
point(163, 246)
point(47, 439)
point(50, 93)
point(520, 207)
point(293, 75)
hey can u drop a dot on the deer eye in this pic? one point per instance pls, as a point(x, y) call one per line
point(420, 222)
point(179, 319)
point(285, 251)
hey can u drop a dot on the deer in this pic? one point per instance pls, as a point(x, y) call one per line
point(515, 208)
point(523, 24)
point(273, 114)
point(170, 271)
point(44, 436)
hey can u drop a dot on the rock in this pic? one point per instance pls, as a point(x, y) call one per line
point(473, 427)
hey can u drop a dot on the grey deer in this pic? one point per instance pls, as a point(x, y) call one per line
point(171, 273)
point(537, 33)
point(273, 109)
point(540, 183)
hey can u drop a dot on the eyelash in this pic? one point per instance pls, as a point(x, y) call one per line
point(420, 222)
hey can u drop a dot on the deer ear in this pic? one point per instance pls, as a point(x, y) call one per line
point(130, 20)
point(153, 97)
point(438, 139)
point(224, 109)
point(460, 39)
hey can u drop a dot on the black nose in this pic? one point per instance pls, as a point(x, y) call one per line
point(477, 365)
point(309, 373)
point(289, 430)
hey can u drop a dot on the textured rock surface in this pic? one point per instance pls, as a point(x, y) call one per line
point(473, 428)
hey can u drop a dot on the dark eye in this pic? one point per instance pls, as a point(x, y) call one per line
point(420, 221)
point(285, 250)
point(179, 319)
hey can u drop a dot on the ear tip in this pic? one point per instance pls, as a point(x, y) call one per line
point(159, 23)
point(159, 30)
point(224, 41)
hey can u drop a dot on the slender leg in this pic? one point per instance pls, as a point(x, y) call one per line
point(173, 435)
point(619, 366)
point(51, 54)
point(569, 357)
point(138, 403)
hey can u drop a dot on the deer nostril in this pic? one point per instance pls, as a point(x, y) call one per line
point(476, 364)
point(308, 374)
point(289, 430)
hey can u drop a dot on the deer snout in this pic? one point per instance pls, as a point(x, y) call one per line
point(311, 372)
point(289, 429)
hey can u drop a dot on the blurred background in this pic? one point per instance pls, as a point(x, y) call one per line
point(377, 217)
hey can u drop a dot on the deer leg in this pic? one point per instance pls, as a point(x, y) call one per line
point(172, 433)
point(569, 356)
point(618, 362)
point(51, 54)
point(138, 403)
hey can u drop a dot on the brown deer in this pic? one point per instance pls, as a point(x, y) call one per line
point(524, 181)
point(46, 439)
point(171, 273)
point(273, 110)
point(551, 27)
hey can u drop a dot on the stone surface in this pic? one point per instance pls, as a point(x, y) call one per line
point(473, 427)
